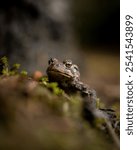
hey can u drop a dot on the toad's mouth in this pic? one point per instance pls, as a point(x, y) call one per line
point(58, 73)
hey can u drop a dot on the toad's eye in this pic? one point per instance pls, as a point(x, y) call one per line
point(52, 61)
point(68, 63)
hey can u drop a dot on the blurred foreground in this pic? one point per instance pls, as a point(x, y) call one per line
point(33, 117)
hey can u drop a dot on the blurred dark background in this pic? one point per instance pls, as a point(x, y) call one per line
point(97, 22)
point(85, 31)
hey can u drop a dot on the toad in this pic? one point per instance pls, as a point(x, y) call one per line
point(67, 75)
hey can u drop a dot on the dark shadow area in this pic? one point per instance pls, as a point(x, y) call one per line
point(97, 23)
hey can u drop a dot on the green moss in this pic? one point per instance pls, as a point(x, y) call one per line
point(43, 80)
point(4, 66)
point(24, 73)
point(53, 86)
point(6, 70)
